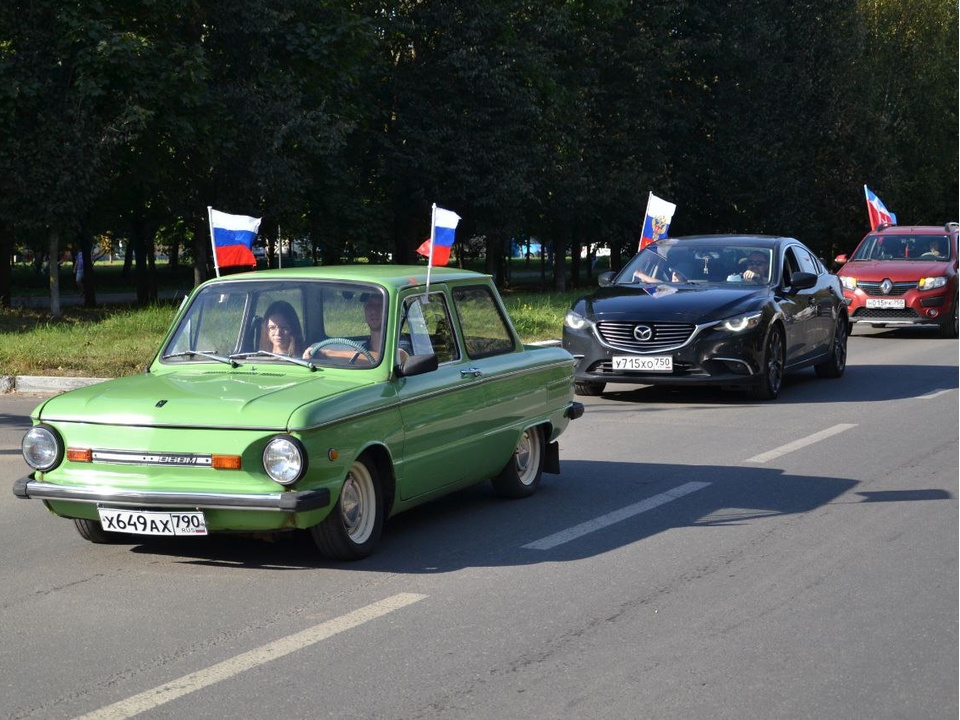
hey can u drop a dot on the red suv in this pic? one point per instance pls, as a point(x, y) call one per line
point(903, 275)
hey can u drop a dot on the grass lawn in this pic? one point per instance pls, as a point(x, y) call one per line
point(115, 340)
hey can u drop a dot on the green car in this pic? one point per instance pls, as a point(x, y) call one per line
point(319, 399)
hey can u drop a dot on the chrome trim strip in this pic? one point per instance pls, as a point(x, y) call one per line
point(282, 502)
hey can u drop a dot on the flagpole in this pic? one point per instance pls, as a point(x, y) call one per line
point(433, 232)
point(213, 242)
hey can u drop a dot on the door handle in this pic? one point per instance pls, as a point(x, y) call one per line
point(471, 372)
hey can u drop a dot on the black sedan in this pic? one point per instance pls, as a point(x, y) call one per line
point(727, 310)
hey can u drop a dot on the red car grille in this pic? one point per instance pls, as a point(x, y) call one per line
point(665, 335)
point(884, 314)
point(873, 288)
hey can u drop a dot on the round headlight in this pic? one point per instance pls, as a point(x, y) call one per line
point(284, 460)
point(42, 448)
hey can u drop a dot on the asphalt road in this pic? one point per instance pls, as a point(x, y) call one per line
point(701, 556)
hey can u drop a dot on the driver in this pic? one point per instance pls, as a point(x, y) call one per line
point(367, 351)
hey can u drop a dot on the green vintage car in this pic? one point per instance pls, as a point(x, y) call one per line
point(319, 399)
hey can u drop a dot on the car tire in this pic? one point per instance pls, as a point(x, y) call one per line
point(589, 389)
point(948, 328)
point(836, 361)
point(352, 529)
point(772, 371)
point(521, 475)
point(92, 531)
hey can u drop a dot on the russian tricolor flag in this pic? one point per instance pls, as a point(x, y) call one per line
point(657, 220)
point(442, 232)
point(232, 237)
point(877, 210)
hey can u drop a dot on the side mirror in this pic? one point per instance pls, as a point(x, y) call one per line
point(417, 365)
point(605, 279)
point(802, 280)
point(840, 259)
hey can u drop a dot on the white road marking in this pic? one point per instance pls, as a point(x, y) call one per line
point(564, 536)
point(245, 661)
point(801, 443)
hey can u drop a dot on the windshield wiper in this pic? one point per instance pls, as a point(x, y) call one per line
point(209, 354)
point(276, 356)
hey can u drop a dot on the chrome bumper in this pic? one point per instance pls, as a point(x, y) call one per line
point(302, 501)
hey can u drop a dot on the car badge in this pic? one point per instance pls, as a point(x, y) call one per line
point(886, 286)
point(643, 333)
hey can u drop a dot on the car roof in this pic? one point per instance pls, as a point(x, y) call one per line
point(730, 239)
point(395, 276)
point(916, 229)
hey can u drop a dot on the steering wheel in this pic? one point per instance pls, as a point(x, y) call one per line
point(345, 342)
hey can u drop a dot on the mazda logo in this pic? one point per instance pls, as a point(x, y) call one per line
point(886, 286)
point(643, 333)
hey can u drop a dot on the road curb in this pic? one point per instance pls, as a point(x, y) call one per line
point(42, 384)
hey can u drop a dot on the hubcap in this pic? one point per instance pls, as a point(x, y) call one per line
point(357, 499)
point(527, 457)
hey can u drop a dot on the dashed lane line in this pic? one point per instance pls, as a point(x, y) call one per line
point(163, 694)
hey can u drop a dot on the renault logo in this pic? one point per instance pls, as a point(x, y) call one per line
point(643, 333)
point(886, 286)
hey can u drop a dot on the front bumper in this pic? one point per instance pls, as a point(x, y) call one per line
point(920, 308)
point(288, 502)
point(711, 357)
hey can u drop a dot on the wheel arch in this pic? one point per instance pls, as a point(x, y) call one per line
point(382, 460)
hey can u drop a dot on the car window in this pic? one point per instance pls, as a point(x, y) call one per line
point(485, 330)
point(426, 328)
point(806, 261)
point(282, 318)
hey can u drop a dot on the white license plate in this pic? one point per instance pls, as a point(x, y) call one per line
point(148, 522)
point(646, 363)
point(887, 303)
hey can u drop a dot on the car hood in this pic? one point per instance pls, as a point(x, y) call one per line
point(685, 304)
point(895, 270)
point(222, 399)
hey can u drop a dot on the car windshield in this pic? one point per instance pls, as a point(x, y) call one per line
point(685, 262)
point(310, 323)
point(904, 247)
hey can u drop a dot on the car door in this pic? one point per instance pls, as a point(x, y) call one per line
point(802, 307)
point(442, 410)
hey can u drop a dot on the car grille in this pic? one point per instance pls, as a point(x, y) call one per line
point(665, 335)
point(873, 288)
point(884, 314)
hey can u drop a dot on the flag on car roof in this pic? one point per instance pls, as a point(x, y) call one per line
point(442, 230)
point(657, 220)
point(232, 237)
point(877, 210)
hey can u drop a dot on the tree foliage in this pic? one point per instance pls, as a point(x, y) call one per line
point(342, 122)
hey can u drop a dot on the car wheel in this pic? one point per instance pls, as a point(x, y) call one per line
point(948, 328)
point(352, 529)
point(836, 361)
point(772, 373)
point(92, 531)
point(591, 389)
point(522, 474)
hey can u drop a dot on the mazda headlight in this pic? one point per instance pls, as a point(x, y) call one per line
point(284, 459)
point(741, 323)
point(932, 283)
point(42, 448)
point(575, 321)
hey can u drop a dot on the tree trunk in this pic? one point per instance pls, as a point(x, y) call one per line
point(53, 266)
point(6, 274)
